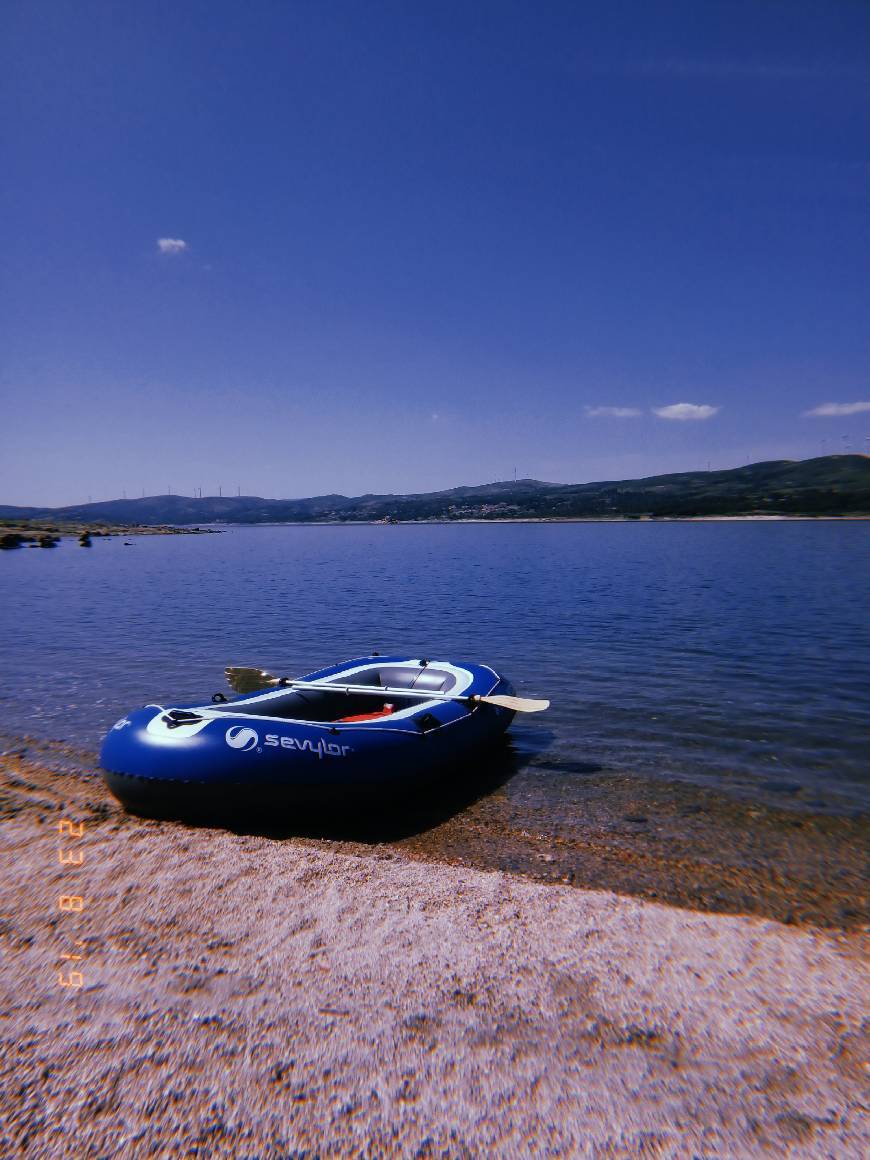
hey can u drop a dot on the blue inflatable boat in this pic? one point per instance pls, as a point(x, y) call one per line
point(357, 730)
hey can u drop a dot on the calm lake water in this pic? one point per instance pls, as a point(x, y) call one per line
point(727, 654)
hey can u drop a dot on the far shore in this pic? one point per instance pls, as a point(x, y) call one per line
point(48, 534)
point(752, 518)
point(35, 531)
point(778, 519)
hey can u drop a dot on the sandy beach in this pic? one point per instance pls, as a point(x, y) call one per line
point(249, 997)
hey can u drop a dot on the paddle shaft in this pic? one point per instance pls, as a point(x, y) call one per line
point(380, 691)
point(516, 704)
point(245, 680)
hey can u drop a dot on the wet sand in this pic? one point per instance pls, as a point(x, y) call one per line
point(666, 841)
point(254, 995)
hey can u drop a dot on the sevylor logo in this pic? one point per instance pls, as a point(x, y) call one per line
point(242, 737)
point(302, 744)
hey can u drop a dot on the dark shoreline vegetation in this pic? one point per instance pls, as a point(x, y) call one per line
point(828, 486)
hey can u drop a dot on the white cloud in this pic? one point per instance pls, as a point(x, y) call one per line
point(612, 412)
point(833, 409)
point(171, 245)
point(686, 411)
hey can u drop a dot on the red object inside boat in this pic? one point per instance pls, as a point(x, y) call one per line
point(385, 712)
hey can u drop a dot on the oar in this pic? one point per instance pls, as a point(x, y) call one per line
point(249, 680)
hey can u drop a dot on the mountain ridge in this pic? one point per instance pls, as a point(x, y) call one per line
point(832, 484)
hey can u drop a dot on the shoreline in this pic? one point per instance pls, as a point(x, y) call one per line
point(33, 532)
point(31, 535)
point(428, 523)
point(660, 840)
point(249, 996)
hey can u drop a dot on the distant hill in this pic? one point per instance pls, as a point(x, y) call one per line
point(829, 485)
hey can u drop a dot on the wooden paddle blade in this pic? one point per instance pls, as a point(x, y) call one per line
point(518, 704)
point(248, 680)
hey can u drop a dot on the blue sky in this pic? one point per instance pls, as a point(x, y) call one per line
point(423, 244)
